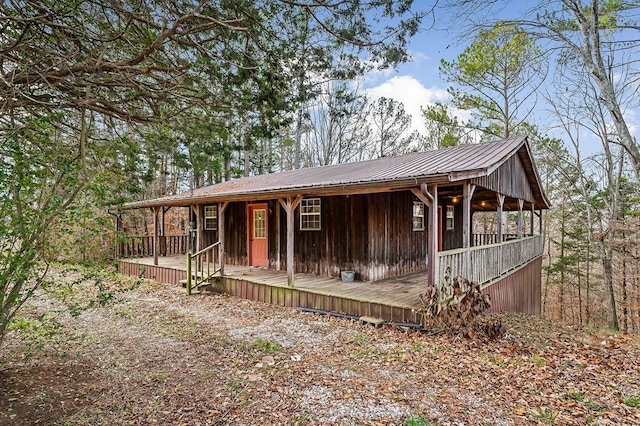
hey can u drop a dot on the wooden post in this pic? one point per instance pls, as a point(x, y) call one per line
point(499, 223)
point(531, 220)
point(278, 245)
point(289, 206)
point(467, 194)
point(199, 226)
point(222, 207)
point(155, 211)
point(540, 220)
point(520, 220)
point(431, 193)
point(188, 273)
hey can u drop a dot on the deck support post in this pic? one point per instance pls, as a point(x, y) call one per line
point(222, 207)
point(467, 194)
point(520, 219)
point(156, 211)
point(431, 193)
point(289, 204)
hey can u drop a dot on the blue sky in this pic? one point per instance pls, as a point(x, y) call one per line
point(418, 83)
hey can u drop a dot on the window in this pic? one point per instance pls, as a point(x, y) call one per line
point(450, 217)
point(260, 223)
point(210, 218)
point(418, 216)
point(310, 214)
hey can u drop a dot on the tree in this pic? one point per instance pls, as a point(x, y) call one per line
point(600, 34)
point(77, 74)
point(496, 77)
point(390, 128)
point(443, 128)
point(338, 131)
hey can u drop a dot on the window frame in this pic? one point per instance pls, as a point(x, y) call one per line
point(304, 216)
point(205, 217)
point(414, 216)
point(450, 218)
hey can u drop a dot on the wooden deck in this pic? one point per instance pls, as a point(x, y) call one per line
point(394, 299)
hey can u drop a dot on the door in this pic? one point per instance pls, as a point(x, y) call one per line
point(258, 235)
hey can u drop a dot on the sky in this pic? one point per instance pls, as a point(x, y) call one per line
point(418, 83)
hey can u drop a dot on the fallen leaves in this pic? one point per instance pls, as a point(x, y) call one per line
point(157, 356)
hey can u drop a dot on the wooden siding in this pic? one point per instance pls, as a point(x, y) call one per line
point(452, 238)
point(520, 291)
point(371, 234)
point(509, 179)
point(235, 234)
point(160, 274)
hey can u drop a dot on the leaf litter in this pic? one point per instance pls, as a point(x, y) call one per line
point(156, 356)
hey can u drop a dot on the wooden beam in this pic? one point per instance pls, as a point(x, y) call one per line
point(520, 219)
point(155, 211)
point(199, 226)
point(420, 196)
point(531, 220)
point(431, 193)
point(278, 244)
point(499, 217)
point(289, 204)
point(222, 207)
point(193, 212)
point(467, 194)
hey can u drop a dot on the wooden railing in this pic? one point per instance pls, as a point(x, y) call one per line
point(486, 239)
point(142, 246)
point(203, 265)
point(486, 263)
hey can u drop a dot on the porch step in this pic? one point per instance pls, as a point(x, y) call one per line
point(376, 322)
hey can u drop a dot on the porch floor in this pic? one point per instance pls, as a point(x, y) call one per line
point(400, 291)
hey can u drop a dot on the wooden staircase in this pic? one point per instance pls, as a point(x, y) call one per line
point(202, 266)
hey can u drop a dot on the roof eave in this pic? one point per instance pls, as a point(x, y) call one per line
point(314, 190)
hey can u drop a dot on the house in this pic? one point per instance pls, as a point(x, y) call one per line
point(382, 218)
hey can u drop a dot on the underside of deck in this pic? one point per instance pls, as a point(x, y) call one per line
point(395, 299)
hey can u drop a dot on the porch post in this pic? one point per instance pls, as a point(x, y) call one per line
point(155, 211)
point(499, 223)
point(222, 207)
point(531, 220)
point(290, 206)
point(278, 245)
point(467, 194)
point(520, 224)
point(431, 192)
point(199, 226)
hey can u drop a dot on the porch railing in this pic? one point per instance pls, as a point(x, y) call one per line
point(203, 265)
point(142, 246)
point(486, 239)
point(486, 263)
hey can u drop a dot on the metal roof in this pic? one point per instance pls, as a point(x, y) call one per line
point(437, 166)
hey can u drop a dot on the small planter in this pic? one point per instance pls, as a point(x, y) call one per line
point(348, 276)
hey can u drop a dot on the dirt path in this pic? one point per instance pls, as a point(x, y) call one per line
point(155, 356)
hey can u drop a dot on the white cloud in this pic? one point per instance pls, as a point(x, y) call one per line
point(412, 93)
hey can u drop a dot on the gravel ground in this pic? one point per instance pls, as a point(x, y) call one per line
point(155, 356)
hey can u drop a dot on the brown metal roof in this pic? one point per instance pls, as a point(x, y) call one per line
point(437, 166)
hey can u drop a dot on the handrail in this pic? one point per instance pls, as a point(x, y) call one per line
point(201, 257)
point(486, 263)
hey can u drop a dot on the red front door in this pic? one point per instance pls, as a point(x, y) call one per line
point(258, 237)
